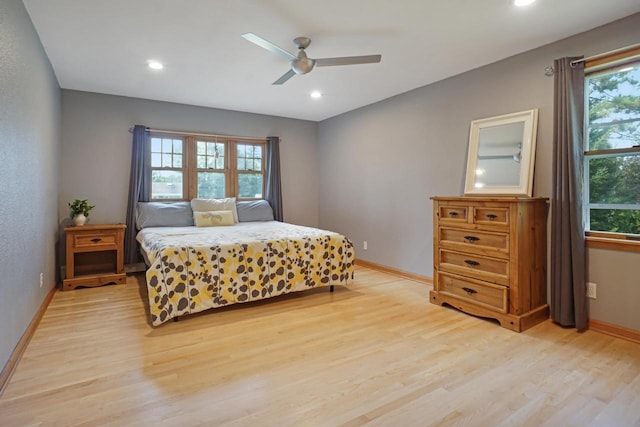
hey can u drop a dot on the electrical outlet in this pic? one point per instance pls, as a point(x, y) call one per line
point(41, 279)
point(591, 290)
point(364, 245)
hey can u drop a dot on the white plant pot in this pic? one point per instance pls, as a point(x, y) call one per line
point(79, 219)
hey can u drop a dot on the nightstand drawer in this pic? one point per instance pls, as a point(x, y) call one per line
point(476, 266)
point(92, 240)
point(488, 295)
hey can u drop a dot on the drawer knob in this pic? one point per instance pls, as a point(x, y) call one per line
point(470, 291)
point(471, 262)
point(453, 214)
point(471, 239)
point(492, 217)
point(96, 240)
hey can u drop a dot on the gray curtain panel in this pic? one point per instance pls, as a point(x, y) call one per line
point(139, 189)
point(568, 290)
point(273, 190)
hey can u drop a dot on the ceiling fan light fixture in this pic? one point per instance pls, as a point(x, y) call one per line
point(522, 3)
point(302, 65)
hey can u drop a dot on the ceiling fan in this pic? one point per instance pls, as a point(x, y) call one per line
point(301, 64)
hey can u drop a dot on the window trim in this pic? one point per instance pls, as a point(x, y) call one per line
point(612, 241)
point(600, 239)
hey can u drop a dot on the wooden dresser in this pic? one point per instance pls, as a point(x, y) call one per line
point(95, 255)
point(490, 258)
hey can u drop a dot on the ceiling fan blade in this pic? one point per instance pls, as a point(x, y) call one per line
point(286, 76)
point(348, 60)
point(268, 45)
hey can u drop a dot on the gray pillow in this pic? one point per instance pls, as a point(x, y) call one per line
point(257, 210)
point(159, 214)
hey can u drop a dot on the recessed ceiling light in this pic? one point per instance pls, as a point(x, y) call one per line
point(521, 3)
point(316, 94)
point(155, 65)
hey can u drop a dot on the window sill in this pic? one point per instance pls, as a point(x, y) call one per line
point(615, 242)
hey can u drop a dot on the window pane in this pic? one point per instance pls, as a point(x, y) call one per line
point(177, 160)
point(242, 150)
point(156, 160)
point(249, 185)
point(166, 184)
point(241, 164)
point(201, 162)
point(614, 180)
point(615, 221)
point(211, 162)
point(613, 114)
point(211, 185)
point(166, 160)
point(201, 147)
point(177, 146)
point(257, 165)
point(257, 153)
point(156, 145)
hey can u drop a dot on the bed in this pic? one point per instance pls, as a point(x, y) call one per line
point(196, 267)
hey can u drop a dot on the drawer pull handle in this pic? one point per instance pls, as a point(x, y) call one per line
point(471, 239)
point(471, 262)
point(453, 214)
point(492, 217)
point(96, 240)
point(470, 291)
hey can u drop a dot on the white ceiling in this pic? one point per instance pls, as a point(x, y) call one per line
point(103, 46)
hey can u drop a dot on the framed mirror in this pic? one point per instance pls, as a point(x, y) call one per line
point(501, 155)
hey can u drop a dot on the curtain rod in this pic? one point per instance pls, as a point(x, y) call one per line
point(600, 55)
point(209, 135)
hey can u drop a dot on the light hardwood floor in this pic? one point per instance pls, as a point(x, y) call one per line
point(375, 353)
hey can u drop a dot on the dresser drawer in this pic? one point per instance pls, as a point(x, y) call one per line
point(488, 295)
point(453, 214)
point(475, 266)
point(474, 241)
point(95, 240)
point(494, 216)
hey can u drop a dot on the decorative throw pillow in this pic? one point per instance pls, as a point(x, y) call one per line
point(227, 204)
point(213, 218)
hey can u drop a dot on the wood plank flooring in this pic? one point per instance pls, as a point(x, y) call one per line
point(375, 353)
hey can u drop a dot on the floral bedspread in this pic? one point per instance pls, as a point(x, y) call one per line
point(196, 268)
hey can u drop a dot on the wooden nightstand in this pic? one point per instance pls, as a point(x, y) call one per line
point(95, 255)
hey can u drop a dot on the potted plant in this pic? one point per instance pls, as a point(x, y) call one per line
point(80, 211)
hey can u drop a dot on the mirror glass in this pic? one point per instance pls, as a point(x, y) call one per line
point(501, 153)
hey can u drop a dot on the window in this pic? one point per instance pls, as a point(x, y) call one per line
point(184, 167)
point(250, 171)
point(612, 147)
point(167, 171)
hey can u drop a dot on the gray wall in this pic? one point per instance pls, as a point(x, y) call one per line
point(380, 164)
point(96, 150)
point(29, 147)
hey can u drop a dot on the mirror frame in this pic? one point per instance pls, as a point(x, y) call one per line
point(528, 151)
